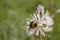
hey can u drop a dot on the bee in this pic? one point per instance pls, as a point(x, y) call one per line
point(33, 24)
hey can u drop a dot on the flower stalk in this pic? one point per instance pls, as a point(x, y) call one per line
point(39, 36)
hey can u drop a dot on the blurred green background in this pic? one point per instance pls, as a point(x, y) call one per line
point(13, 15)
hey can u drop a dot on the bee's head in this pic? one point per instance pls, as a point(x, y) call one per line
point(33, 24)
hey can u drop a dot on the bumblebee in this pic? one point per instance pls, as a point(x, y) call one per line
point(33, 24)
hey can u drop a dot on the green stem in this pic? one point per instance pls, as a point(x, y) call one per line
point(39, 35)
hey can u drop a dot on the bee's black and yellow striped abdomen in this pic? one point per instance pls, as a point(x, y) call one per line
point(33, 24)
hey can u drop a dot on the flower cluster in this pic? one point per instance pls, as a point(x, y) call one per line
point(40, 22)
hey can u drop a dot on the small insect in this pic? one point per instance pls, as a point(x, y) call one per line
point(33, 24)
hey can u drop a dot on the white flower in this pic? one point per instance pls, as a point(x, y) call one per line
point(40, 22)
